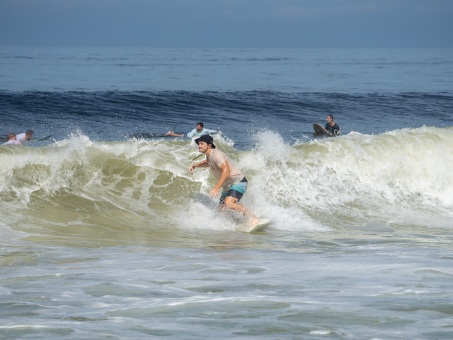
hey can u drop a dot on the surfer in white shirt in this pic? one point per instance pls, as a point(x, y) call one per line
point(24, 136)
point(229, 178)
point(197, 132)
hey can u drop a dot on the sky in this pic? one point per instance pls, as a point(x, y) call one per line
point(228, 23)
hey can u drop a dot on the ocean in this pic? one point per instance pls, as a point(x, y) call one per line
point(105, 234)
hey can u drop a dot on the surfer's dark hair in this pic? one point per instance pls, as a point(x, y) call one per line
point(330, 115)
point(200, 123)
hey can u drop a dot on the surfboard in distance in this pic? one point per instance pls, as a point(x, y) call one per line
point(320, 131)
point(148, 135)
point(264, 222)
point(44, 138)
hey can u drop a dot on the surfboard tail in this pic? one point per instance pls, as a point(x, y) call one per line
point(262, 223)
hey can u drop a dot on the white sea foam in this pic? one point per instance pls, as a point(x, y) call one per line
point(399, 177)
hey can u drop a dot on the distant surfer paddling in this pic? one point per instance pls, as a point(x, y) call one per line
point(197, 132)
point(229, 178)
point(25, 136)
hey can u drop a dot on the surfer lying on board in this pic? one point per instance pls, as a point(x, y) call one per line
point(11, 139)
point(24, 136)
point(229, 178)
point(331, 126)
point(197, 132)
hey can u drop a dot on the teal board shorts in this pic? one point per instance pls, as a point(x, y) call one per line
point(237, 190)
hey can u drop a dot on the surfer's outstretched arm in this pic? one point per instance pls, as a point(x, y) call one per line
point(174, 134)
point(202, 164)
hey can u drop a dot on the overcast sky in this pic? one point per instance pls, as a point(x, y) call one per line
point(228, 23)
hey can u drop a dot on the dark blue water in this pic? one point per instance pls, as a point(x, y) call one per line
point(115, 115)
point(109, 94)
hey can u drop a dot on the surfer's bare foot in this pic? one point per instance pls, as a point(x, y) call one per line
point(253, 221)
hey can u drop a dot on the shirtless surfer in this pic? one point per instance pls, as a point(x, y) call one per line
point(11, 139)
point(229, 178)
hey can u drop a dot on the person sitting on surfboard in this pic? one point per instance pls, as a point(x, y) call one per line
point(331, 126)
point(24, 136)
point(229, 178)
point(197, 132)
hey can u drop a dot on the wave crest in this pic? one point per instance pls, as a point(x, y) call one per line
point(399, 177)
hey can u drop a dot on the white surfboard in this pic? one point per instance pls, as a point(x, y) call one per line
point(264, 222)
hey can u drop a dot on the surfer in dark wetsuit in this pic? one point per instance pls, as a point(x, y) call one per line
point(331, 126)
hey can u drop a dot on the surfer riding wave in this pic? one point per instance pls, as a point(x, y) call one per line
point(228, 176)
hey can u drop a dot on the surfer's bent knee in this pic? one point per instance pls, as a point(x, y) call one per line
point(230, 195)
